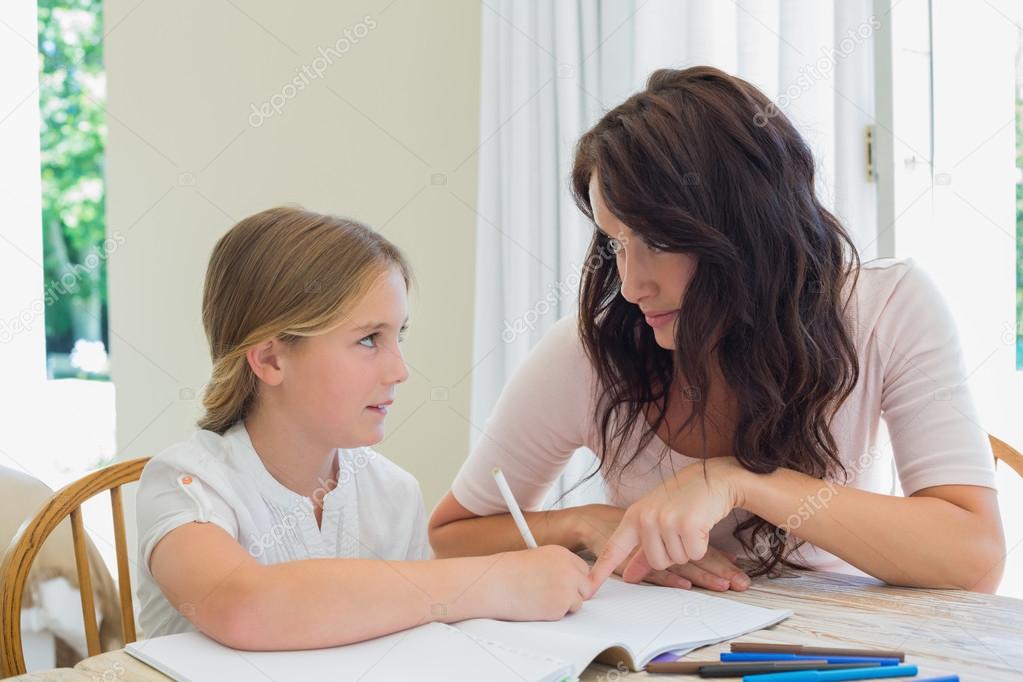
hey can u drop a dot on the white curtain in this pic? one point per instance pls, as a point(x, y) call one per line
point(551, 69)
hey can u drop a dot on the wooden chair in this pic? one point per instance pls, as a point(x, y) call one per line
point(1008, 454)
point(29, 540)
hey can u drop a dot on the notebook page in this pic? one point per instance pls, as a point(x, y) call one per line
point(646, 620)
point(577, 651)
point(433, 652)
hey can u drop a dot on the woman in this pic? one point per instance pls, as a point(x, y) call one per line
point(730, 366)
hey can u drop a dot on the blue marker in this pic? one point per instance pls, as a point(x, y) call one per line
point(835, 675)
point(750, 656)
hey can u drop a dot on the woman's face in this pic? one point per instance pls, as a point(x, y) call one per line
point(654, 280)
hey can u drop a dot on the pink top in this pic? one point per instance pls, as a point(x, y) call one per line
point(911, 373)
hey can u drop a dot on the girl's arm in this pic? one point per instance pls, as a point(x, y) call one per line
point(943, 537)
point(208, 577)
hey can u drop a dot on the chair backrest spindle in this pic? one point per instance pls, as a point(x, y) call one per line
point(28, 541)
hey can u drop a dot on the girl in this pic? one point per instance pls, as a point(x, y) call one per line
point(730, 365)
point(276, 526)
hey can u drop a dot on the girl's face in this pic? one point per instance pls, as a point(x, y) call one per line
point(338, 385)
point(652, 279)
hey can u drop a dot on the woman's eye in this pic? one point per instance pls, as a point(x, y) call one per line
point(656, 248)
point(368, 341)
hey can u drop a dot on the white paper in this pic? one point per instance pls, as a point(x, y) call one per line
point(433, 652)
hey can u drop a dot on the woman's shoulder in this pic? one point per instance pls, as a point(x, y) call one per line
point(888, 272)
point(559, 364)
point(561, 348)
point(897, 304)
point(563, 335)
point(890, 288)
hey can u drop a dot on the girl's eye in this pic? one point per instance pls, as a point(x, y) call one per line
point(371, 341)
point(401, 335)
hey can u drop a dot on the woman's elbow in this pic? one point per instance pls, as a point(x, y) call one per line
point(984, 572)
point(442, 539)
point(444, 529)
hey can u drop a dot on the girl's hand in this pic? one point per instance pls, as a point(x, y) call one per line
point(672, 522)
point(546, 583)
point(596, 524)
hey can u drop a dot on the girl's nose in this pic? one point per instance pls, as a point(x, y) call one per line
point(400, 369)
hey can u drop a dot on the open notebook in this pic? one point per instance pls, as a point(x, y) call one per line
point(630, 624)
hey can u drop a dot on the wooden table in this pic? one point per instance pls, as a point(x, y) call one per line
point(977, 636)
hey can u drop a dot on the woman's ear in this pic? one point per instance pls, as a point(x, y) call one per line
point(264, 361)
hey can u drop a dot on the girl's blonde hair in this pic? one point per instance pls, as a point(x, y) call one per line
point(283, 273)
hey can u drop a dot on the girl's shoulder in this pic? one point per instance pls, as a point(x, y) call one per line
point(204, 455)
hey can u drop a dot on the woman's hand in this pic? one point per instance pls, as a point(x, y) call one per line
point(671, 524)
point(715, 571)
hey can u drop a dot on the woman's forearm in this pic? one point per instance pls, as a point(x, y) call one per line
point(482, 535)
point(917, 541)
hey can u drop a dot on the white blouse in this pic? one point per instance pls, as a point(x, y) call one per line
point(375, 512)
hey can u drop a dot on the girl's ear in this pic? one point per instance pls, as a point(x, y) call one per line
point(265, 363)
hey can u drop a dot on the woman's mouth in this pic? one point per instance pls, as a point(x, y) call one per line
point(662, 319)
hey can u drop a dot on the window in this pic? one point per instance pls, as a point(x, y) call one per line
point(1019, 201)
point(78, 392)
point(75, 249)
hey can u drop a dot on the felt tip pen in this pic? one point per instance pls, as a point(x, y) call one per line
point(806, 650)
point(836, 675)
point(799, 657)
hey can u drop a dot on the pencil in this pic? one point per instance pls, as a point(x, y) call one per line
point(513, 507)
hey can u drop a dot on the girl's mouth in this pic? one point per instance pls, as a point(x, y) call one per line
point(381, 408)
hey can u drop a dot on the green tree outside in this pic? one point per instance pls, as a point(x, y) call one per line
point(72, 92)
point(1019, 205)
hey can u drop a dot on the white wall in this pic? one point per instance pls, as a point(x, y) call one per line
point(386, 133)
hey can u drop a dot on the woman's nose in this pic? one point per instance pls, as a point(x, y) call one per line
point(637, 283)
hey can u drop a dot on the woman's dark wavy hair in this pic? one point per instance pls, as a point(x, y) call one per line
point(703, 163)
